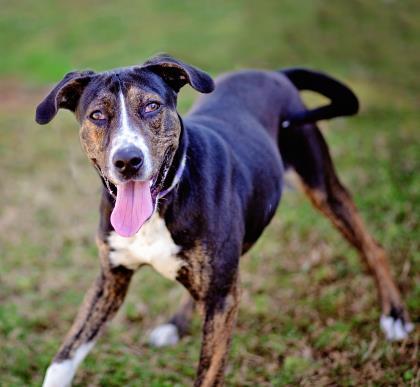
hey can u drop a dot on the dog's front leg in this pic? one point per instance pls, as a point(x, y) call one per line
point(99, 306)
point(219, 318)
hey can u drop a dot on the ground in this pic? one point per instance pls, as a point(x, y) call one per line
point(309, 313)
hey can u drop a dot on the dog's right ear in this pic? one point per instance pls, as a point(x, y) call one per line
point(65, 95)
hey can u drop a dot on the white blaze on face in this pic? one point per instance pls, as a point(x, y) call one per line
point(126, 135)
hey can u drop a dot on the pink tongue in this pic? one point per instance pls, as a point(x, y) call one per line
point(132, 207)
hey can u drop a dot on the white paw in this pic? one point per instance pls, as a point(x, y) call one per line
point(164, 335)
point(59, 374)
point(395, 329)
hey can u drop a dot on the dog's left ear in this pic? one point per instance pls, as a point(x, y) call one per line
point(176, 73)
point(66, 95)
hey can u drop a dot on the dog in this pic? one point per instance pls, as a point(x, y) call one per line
point(189, 196)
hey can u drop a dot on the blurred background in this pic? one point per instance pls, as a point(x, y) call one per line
point(309, 313)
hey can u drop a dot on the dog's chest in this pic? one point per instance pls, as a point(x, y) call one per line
point(152, 245)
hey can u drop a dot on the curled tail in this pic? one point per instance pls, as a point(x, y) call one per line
point(343, 101)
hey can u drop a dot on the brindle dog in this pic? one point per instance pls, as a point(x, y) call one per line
point(190, 195)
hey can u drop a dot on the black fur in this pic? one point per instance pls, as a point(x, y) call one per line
point(343, 100)
point(65, 95)
point(176, 73)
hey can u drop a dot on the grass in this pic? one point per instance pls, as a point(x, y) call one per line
point(309, 313)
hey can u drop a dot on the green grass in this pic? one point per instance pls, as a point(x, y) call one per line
point(309, 313)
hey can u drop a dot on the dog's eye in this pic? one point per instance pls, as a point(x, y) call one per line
point(151, 107)
point(97, 116)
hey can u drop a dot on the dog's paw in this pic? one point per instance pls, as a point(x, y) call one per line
point(59, 374)
point(395, 329)
point(164, 335)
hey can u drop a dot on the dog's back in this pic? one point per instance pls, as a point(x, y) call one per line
point(240, 128)
point(243, 97)
point(236, 128)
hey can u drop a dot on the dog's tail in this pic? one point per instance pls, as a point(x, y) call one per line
point(343, 101)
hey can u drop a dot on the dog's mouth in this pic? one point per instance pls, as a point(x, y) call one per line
point(133, 207)
point(135, 200)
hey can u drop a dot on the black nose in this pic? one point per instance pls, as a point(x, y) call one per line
point(128, 161)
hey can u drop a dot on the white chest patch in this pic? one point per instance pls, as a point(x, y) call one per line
point(152, 245)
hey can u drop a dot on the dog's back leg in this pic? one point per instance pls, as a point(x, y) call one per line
point(176, 327)
point(305, 150)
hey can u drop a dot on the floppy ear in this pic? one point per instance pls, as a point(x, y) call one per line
point(176, 73)
point(65, 95)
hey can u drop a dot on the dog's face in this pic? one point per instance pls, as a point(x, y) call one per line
point(129, 125)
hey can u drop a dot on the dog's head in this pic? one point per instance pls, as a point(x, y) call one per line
point(129, 127)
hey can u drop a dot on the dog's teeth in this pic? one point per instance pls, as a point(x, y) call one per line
point(164, 335)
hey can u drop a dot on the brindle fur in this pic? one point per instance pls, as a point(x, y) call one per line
point(236, 150)
point(160, 133)
point(331, 198)
point(101, 303)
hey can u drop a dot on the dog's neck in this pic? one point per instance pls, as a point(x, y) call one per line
point(178, 164)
